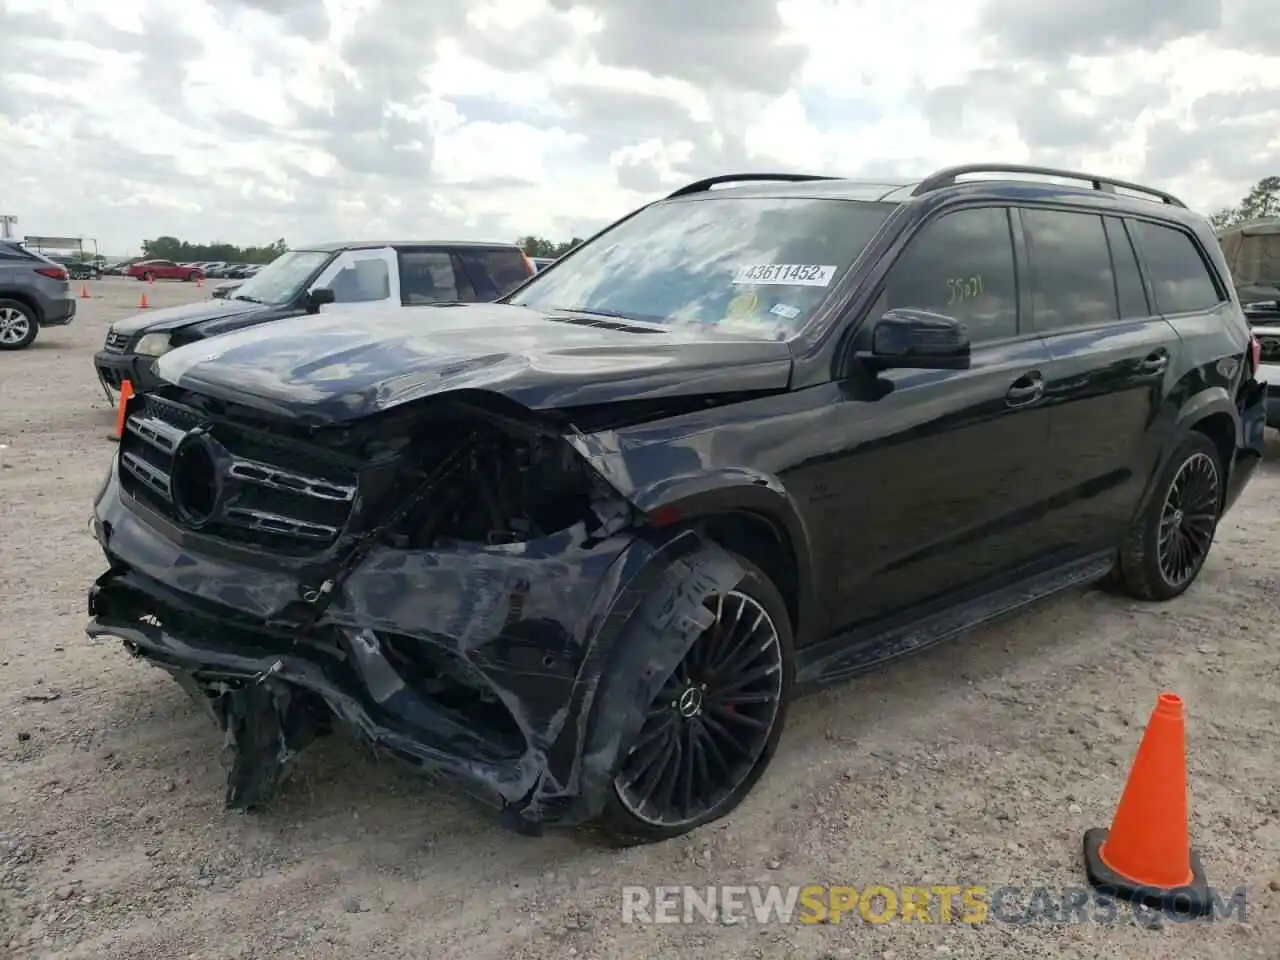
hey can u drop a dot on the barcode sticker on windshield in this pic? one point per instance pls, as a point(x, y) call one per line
point(787, 274)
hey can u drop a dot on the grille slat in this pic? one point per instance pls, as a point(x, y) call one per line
point(279, 494)
point(116, 342)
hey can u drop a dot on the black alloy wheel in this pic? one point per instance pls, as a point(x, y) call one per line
point(1168, 542)
point(1188, 519)
point(712, 728)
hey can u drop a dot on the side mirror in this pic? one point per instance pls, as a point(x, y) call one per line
point(918, 340)
point(318, 297)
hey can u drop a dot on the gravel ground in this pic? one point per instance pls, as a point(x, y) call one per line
point(981, 762)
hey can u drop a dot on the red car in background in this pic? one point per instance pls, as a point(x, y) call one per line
point(164, 270)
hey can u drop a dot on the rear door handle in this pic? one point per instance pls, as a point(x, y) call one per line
point(1026, 389)
point(1154, 363)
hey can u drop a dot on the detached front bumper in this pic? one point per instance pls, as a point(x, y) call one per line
point(551, 653)
point(113, 368)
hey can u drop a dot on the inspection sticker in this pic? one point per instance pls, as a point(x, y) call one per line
point(784, 310)
point(787, 274)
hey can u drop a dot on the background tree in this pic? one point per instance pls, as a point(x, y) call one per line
point(171, 248)
point(542, 247)
point(1261, 202)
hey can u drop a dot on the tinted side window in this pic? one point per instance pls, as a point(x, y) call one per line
point(494, 273)
point(363, 280)
point(1178, 273)
point(1133, 296)
point(1072, 283)
point(960, 265)
point(426, 276)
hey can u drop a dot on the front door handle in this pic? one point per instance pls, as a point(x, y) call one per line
point(1026, 389)
point(1154, 363)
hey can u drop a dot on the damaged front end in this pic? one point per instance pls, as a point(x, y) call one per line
point(450, 581)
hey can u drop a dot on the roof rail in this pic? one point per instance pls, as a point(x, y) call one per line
point(947, 177)
point(700, 186)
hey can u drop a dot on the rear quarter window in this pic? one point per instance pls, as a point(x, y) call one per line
point(1178, 272)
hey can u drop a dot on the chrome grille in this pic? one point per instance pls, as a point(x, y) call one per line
point(116, 342)
point(278, 494)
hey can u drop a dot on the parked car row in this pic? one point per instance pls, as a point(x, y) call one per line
point(220, 269)
point(577, 550)
point(181, 270)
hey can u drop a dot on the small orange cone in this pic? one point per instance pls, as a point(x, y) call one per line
point(142, 302)
point(1146, 855)
point(200, 281)
point(84, 291)
point(151, 279)
point(126, 391)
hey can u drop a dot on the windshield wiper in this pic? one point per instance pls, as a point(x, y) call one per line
point(612, 314)
point(241, 296)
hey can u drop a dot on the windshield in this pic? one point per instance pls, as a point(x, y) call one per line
point(280, 280)
point(754, 266)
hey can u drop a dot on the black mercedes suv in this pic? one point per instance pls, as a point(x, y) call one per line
point(576, 550)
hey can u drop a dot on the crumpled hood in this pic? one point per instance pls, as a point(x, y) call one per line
point(173, 318)
point(346, 364)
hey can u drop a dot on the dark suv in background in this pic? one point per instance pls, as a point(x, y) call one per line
point(35, 292)
point(577, 550)
point(365, 276)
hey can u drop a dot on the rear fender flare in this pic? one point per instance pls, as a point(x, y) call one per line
point(1204, 403)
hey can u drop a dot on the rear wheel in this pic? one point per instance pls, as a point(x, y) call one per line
point(1168, 544)
point(192, 277)
point(711, 731)
point(18, 325)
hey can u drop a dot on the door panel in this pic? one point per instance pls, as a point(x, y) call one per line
point(936, 483)
point(1105, 392)
point(362, 279)
point(1107, 378)
point(941, 483)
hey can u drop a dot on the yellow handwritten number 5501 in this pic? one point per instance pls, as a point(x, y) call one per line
point(961, 289)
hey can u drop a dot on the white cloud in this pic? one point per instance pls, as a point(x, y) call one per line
point(246, 120)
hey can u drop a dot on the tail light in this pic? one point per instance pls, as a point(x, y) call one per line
point(1255, 352)
point(53, 273)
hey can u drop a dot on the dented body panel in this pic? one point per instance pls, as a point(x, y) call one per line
point(327, 369)
point(571, 641)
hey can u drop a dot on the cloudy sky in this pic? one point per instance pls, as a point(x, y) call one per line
point(247, 120)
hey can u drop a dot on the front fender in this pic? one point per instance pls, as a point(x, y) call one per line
point(654, 479)
point(656, 611)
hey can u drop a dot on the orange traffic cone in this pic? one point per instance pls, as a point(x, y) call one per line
point(200, 281)
point(151, 279)
point(126, 391)
point(84, 291)
point(1146, 856)
point(142, 302)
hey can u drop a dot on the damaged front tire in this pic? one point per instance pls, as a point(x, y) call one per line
point(711, 731)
